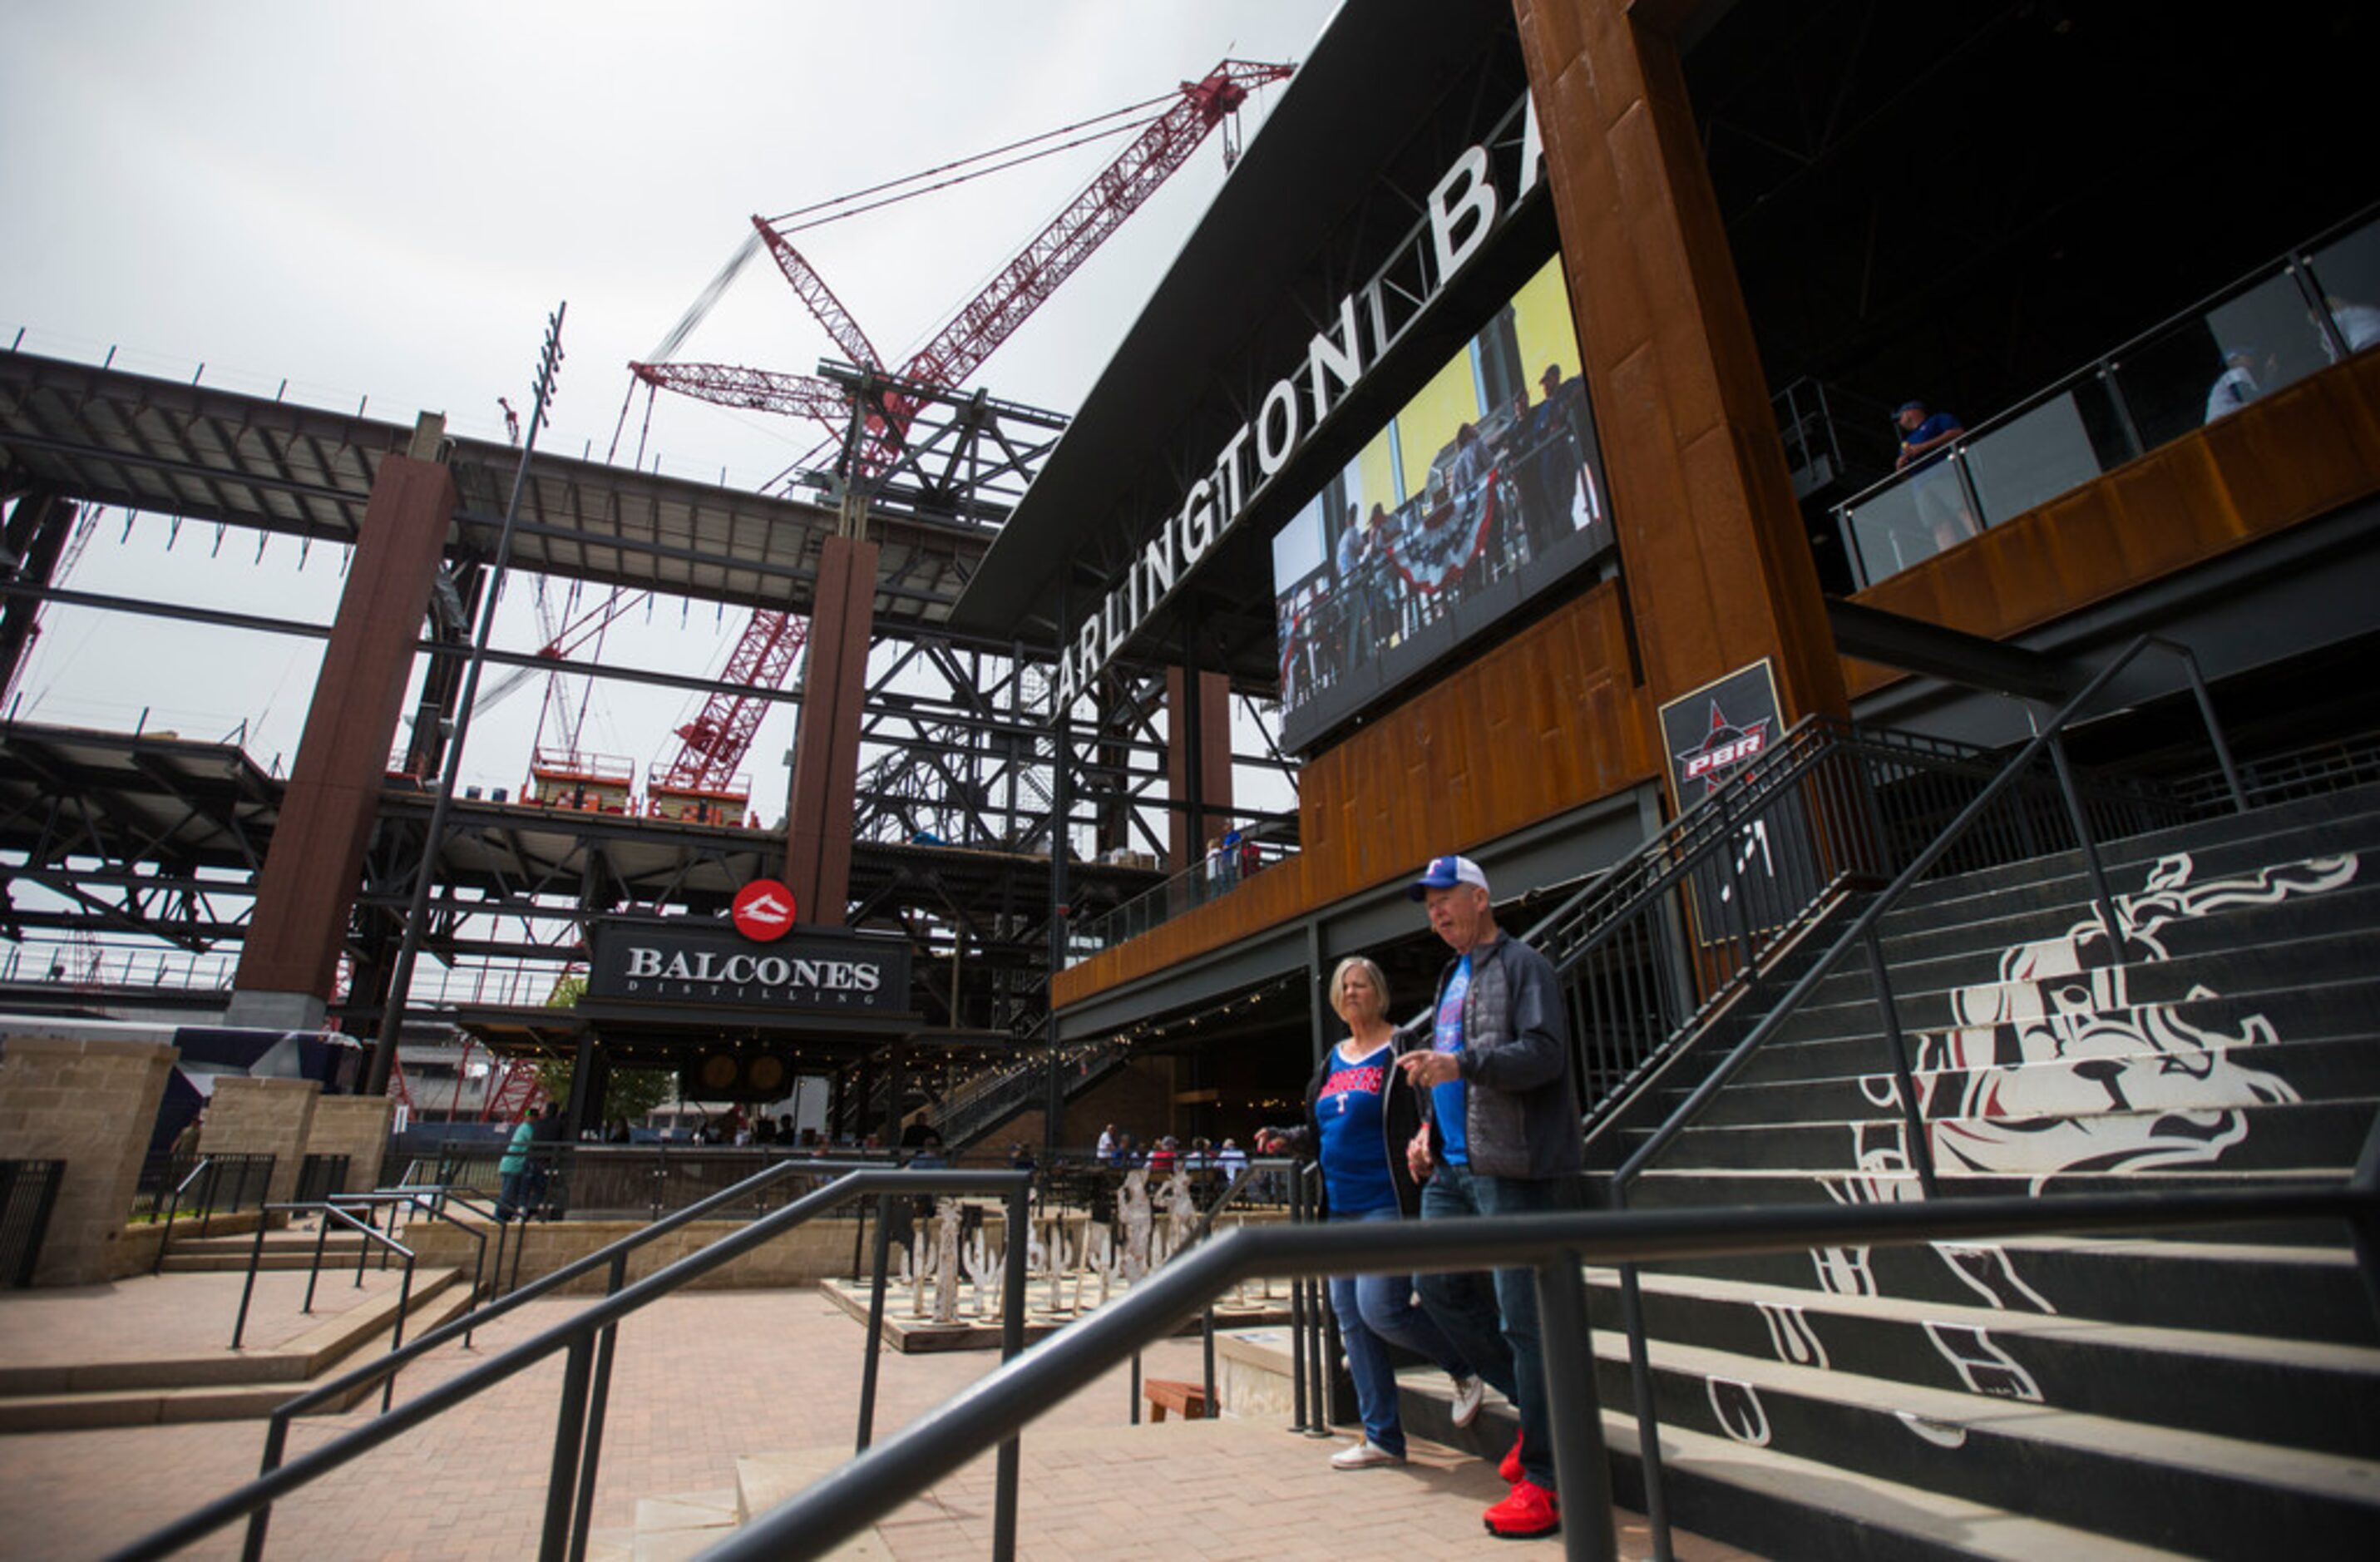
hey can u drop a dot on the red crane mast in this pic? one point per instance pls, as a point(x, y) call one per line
point(715, 742)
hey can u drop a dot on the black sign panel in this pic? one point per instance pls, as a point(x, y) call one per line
point(672, 961)
point(1711, 736)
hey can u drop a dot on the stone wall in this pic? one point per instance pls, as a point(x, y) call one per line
point(272, 1117)
point(356, 1127)
point(90, 1101)
point(801, 1257)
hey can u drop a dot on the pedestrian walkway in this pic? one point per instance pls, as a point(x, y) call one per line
point(706, 1378)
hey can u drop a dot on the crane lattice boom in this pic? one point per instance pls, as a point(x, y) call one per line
point(715, 742)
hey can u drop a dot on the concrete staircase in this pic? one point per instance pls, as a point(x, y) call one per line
point(2213, 1393)
point(188, 1375)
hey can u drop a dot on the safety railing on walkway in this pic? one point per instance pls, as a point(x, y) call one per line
point(1696, 918)
point(213, 1185)
point(1861, 934)
point(587, 1341)
point(997, 1408)
point(1211, 878)
point(28, 1191)
point(327, 1214)
point(2291, 317)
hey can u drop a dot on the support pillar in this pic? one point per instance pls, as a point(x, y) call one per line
point(1718, 572)
point(356, 1127)
point(92, 1104)
point(307, 890)
point(1198, 761)
point(252, 1116)
point(826, 744)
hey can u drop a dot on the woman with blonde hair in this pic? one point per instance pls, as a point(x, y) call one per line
point(1359, 1113)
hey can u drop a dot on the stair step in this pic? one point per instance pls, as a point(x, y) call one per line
point(247, 1385)
point(2319, 939)
point(2314, 1138)
point(2339, 889)
point(2308, 1293)
point(2150, 1483)
point(2315, 819)
point(1942, 994)
point(2045, 883)
point(2327, 1028)
point(2293, 1392)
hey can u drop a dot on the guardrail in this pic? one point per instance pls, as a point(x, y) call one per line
point(589, 1341)
point(1861, 934)
point(1556, 1246)
point(28, 1191)
point(2278, 325)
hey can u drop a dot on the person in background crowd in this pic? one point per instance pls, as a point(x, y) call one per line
point(1162, 1159)
point(1360, 1113)
point(2236, 387)
point(1502, 1137)
point(1107, 1146)
point(1232, 1160)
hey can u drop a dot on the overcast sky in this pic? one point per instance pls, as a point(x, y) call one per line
point(386, 202)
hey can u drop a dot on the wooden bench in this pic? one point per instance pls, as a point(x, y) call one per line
point(1170, 1394)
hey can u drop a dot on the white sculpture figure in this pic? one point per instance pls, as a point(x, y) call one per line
point(1131, 1205)
point(946, 1262)
point(980, 1270)
point(1059, 1265)
point(918, 1271)
point(1183, 1208)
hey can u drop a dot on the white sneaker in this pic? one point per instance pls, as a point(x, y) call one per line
point(1364, 1455)
point(1469, 1393)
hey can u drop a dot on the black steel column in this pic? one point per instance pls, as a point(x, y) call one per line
point(1062, 806)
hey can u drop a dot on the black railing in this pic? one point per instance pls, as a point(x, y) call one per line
point(28, 1191)
point(1556, 1246)
point(213, 1185)
point(2192, 369)
point(2000, 791)
point(320, 1177)
point(588, 1339)
point(1693, 920)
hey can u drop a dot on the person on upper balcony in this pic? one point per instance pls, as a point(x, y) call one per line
point(1925, 438)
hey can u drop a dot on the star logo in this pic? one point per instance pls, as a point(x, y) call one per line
point(1723, 748)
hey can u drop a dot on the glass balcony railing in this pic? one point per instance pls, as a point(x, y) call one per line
point(1217, 874)
point(2304, 311)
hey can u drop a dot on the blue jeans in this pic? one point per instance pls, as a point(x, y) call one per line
point(1493, 1321)
point(1373, 1307)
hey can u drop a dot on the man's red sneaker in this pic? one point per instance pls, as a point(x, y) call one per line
point(1511, 1468)
point(1529, 1512)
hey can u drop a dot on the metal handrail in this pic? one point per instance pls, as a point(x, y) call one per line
point(363, 1253)
point(209, 1168)
point(1862, 930)
point(432, 1202)
point(998, 1406)
point(588, 1339)
point(2288, 262)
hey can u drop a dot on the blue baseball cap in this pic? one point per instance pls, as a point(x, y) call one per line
point(1445, 873)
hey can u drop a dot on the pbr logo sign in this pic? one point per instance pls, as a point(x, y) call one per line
point(1718, 729)
point(684, 962)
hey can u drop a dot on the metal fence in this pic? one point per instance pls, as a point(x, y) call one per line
point(319, 1177)
point(28, 1191)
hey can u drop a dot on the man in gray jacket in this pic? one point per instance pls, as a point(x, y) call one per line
point(1503, 1137)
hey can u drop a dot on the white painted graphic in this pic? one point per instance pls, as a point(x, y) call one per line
point(1982, 1366)
point(2053, 1069)
point(1792, 1338)
point(1737, 1405)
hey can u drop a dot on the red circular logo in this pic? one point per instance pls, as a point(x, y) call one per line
point(764, 911)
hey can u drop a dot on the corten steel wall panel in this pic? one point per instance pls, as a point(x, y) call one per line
point(1543, 723)
point(2286, 458)
point(1188, 838)
point(826, 743)
point(1718, 573)
point(308, 886)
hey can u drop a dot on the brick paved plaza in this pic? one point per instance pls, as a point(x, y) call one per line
point(703, 1379)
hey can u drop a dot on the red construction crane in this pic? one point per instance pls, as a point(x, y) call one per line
point(715, 742)
point(1008, 299)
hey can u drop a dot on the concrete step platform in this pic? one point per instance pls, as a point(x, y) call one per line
point(185, 1378)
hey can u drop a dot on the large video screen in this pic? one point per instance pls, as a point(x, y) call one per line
point(1484, 491)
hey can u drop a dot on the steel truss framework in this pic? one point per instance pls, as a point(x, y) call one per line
point(160, 838)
